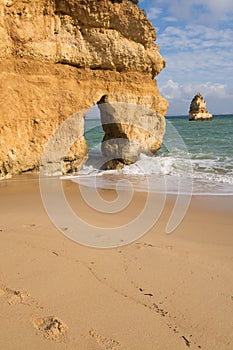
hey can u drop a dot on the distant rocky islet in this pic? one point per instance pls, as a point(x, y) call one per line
point(197, 110)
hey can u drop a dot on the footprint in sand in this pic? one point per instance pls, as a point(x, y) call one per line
point(15, 296)
point(50, 327)
point(105, 343)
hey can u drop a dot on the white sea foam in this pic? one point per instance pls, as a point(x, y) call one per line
point(167, 173)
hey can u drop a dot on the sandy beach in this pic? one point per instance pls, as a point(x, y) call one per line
point(160, 292)
point(133, 98)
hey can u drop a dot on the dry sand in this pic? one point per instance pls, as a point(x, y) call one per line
point(160, 292)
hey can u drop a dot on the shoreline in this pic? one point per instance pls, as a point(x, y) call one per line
point(162, 291)
point(110, 180)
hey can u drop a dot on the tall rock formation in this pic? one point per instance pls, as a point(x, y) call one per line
point(198, 109)
point(58, 58)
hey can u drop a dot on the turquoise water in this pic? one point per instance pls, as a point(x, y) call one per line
point(212, 138)
point(93, 133)
point(201, 151)
point(209, 145)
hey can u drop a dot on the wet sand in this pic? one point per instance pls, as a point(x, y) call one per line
point(162, 291)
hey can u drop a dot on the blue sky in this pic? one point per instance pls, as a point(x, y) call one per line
point(196, 40)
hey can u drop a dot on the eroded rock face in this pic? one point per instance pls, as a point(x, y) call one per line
point(130, 129)
point(198, 109)
point(59, 58)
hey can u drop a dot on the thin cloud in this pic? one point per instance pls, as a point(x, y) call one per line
point(170, 19)
point(199, 10)
point(198, 66)
point(154, 12)
point(195, 37)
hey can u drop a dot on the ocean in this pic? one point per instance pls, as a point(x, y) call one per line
point(196, 158)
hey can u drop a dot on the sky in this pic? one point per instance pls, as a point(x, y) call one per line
point(196, 40)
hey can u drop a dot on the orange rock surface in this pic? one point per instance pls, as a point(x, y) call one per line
point(59, 58)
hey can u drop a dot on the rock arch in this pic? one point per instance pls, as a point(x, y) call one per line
point(45, 78)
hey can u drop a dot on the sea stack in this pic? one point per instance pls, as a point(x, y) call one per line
point(59, 58)
point(198, 109)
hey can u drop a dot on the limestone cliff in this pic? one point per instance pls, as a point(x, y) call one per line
point(59, 57)
point(198, 109)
